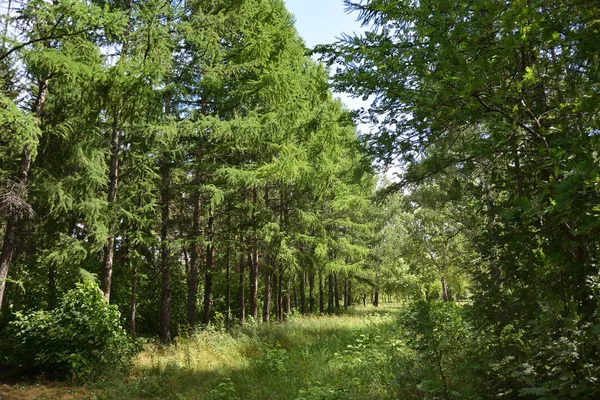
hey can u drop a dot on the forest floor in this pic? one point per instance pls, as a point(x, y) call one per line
point(319, 357)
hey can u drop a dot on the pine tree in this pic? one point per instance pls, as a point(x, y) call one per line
point(55, 47)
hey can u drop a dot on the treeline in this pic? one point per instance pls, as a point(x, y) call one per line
point(188, 154)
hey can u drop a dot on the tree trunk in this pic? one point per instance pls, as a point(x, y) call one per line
point(311, 291)
point(276, 294)
point(287, 305)
point(165, 310)
point(267, 296)
point(444, 289)
point(321, 294)
point(12, 224)
point(303, 293)
point(336, 291)
point(253, 263)
point(113, 175)
point(113, 180)
point(349, 292)
point(192, 282)
point(133, 304)
point(192, 297)
point(133, 299)
point(295, 292)
point(346, 293)
point(280, 294)
point(228, 292)
point(376, 298)
point(210, 260)
point(330, 293)
point(242, 291)
point(208, 280)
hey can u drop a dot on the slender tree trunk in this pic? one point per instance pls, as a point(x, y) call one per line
point(192, 282)
point(280, 294)
point(228, 291)
point(287, 304)
point(12, 224)
point(253, 263)
point(210, 260)
point(186, 260)
point(336, 291)
point(376, 298)
point(165, 311)
point(444, 289)
point(165, 314)
point(295, 292)
point(133, 304)
point(192, 298)
point(268, 276)
point(346, 293)
point(321, 294)
point(303, 293)
point(266, 312)
point(330, 293)
point(113, 177)
point(133, 299)
point(349, 292)
point(311, 291)
point(208, 280)
point(276, 294)
point(113, 180)
point(242, 291)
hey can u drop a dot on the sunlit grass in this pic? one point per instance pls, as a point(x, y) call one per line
point(263, 361)
point(310, 357)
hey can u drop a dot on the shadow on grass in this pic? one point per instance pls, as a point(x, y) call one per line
point(273, 361)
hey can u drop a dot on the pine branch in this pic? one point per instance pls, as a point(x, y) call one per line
point(51, 37)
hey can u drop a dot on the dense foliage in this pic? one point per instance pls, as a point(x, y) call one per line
point(492, 108)
point(186, 154)
point(79, 339)
point(190, 157)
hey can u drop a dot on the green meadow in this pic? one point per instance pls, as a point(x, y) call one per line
point(309, 357)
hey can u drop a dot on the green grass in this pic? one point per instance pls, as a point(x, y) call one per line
point(325, 357)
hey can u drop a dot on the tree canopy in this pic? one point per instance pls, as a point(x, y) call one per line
point(497, 104)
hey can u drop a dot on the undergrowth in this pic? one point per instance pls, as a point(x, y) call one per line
point(326, 357)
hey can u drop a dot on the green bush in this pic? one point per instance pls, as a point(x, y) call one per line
point(225, 390)
point(81, 339)
point(437, 336)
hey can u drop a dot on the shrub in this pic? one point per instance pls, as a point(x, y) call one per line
point(81, 339)
point(225, 390)
point(438, 337)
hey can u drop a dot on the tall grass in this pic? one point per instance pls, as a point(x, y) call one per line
point(317, 357)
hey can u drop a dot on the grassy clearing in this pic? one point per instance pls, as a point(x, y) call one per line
point(273, 361)
point(324, 357)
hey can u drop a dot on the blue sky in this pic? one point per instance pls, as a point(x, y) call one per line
point(322, 21)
